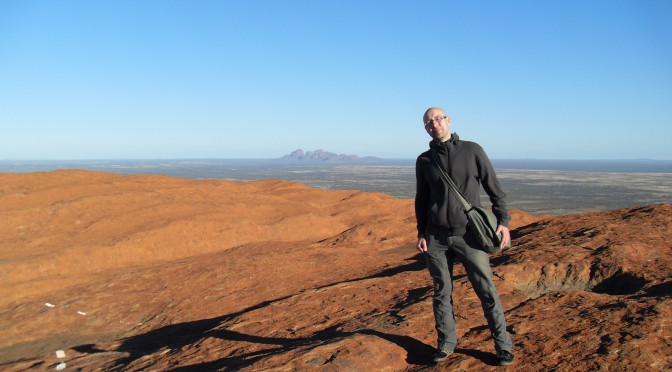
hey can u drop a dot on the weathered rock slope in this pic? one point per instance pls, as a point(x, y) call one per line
point(161, 273)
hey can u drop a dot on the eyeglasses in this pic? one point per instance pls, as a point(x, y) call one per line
point(436, 119)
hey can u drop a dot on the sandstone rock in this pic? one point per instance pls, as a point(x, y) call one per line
point(177, 274)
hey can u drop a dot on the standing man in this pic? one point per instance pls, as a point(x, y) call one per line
point(443, 234)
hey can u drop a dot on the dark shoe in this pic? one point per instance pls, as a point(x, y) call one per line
point(441, 355)
point(505, 358)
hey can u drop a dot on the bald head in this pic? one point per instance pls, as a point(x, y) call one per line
point(432, 112)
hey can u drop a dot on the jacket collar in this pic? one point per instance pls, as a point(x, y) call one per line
point(454, 138)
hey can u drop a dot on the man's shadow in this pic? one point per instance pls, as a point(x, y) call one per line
point(417, 352)
point(180, 335)
point(485, 357)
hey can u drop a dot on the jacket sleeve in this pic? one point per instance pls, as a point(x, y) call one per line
point(493, 188)
point(421, 199)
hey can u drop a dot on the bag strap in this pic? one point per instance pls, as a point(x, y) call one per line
point(465, 204)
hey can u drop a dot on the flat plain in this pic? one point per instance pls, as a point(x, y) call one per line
point(538, 187)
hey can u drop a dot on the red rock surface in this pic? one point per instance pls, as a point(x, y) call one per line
point(161, 273)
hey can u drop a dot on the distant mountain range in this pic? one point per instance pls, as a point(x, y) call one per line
point(321, 155)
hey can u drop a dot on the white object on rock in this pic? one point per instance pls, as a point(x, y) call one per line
point(60, 367)
point(81, 313)
point(60, 354)
point(49, 305)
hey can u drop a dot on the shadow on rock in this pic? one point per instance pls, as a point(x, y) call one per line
point(417, 352)
point(487, 358)
point(177, 336)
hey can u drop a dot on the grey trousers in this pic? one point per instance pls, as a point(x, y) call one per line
point(441, 253)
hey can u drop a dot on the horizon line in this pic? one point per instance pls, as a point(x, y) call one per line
point(366, 159)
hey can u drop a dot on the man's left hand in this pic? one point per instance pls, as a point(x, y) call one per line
point(506, 236)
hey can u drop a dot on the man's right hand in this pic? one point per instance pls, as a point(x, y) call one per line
point(422, 245)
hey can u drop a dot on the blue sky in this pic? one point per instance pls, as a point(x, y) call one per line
point(259, 79)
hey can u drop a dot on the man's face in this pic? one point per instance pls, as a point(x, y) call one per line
point(437, 125)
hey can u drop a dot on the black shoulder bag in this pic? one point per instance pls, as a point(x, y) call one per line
point(482, 222)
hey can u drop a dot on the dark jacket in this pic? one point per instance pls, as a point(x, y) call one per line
point(469, 167)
